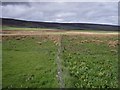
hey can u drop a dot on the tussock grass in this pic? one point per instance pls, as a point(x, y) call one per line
point(90, 62)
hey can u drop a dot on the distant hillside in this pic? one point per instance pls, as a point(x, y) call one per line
point(68, 26)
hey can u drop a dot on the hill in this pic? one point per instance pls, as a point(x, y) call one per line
point(54, 25)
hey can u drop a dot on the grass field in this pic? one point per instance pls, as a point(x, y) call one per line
point(87, 61)
point(20, 28)
point(48, 29)
point(90, 62)
point(29, 62)
point(0, 64)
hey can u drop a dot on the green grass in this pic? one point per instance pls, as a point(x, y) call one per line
point(0, 65)
point(90, 64)
point(87, 62)
point(20, 28)
point(29, 64)
point(96, 31)
point(33, 29)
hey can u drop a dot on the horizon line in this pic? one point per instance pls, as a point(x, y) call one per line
point(60, 22)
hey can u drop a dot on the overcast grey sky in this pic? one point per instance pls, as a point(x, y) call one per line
point(78, 12)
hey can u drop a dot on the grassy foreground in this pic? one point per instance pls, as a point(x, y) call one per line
point(0, 64)
point(29, 62)
point(90, 61)
point(87, 61)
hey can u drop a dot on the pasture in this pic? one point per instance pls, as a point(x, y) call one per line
point(47, 61)
point(90, 61)
point(29, 62)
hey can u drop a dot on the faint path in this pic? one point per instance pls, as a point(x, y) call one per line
point(59, 51)
point(58, 61)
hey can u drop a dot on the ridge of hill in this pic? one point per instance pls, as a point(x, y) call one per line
point(54, 25)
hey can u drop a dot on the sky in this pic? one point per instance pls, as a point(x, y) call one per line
point(70, 12)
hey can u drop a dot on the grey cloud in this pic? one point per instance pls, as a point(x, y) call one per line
point(61, 0)
point(11, 3)
point(95, 12)
point(15, 3)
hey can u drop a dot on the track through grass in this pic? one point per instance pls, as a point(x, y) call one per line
point(57, 61)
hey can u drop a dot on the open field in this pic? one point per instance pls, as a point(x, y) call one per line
point(67, 59)
point(0, 64)
point(20, 28)
point(90, 61)
point(57, 32)
point(29, 62)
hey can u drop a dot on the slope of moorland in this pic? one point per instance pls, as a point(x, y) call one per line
point(53, 25)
